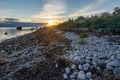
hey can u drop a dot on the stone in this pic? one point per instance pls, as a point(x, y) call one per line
point(81, 75)
point(72, 76)
point(73, 66)
point(56, 65)
point(65, 76)
point(108, 67)
point(75, 73)
point(85, 68)
point(80, 67)
point(116, 70)
point(89, 75)
point(67, 70)
point(71, 56)
point(2, 51)
point(86, 65)
point(77, 59)
point(114, 63)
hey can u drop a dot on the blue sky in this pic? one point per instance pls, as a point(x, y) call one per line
point(46, 10)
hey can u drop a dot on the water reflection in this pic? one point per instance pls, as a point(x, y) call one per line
point(12, 32)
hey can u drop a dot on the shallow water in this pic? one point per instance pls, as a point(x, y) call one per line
point(12, 32)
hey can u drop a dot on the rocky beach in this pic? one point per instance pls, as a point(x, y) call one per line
point(49, 54)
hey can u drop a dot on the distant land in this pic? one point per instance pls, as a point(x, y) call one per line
point(23, 24)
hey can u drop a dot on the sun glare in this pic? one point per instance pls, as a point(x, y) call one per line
point(51, 23)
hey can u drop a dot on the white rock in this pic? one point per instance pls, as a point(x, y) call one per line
point(75, 73)
point(71, 56)
point(95, 64)
point(80, 66)
point(56, 65)
point(77, 59)
point(116, 70)
point(108, 67)
point(72, 76)
point(73, 66)
point(114, 63)
point(2, 51)
point(86, 65)
point(85, 68)
point(65, 76)
point(67, 70)
point(89, 75)
point(81, 75)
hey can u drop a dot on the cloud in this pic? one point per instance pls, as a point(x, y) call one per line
point(88, 9)
point(11, 19)
point(53, 9)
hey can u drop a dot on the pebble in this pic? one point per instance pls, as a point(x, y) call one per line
point(71, 56)
point(72, 76)
point(86, 65)
point(67, 70)
point(80, 66)
point(65, 76)
point(89, 75)
point(56, 65)
point(116, 70)
point(2, 51)
point(81, 75)
point(73, 66)
point(77, 59)
point(114, 63)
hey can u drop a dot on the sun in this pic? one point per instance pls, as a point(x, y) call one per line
point(51, 23)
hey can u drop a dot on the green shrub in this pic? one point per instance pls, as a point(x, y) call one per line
point(82, 42)
point(84, 35)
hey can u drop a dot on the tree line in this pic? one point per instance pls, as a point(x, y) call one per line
point(105, 22)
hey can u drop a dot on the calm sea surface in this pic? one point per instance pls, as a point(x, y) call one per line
point(12, 32)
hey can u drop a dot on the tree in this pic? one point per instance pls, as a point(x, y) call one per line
point(116, 11)
point(105, 15)
point(80, 18)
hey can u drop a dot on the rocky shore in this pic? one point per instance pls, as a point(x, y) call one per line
point(97, 59)
point(34, 56)
point(48, 54)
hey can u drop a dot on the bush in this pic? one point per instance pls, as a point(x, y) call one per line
point(82, 42)
point(84, 35)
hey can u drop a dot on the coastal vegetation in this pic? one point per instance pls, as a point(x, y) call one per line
point(105, 22)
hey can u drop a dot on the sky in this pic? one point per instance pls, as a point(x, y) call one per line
point(49, 11)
